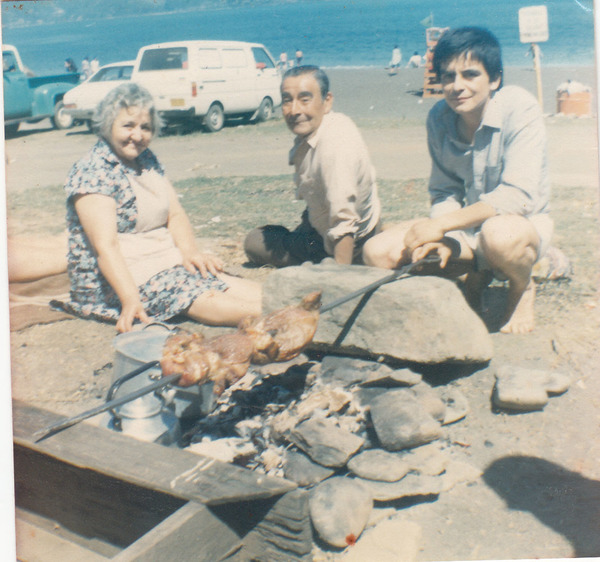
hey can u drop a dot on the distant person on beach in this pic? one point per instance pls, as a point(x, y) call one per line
point(333, 175)
point(283, 62)
point(86, 70)
point(489, 184)
point(299, 57)
point(414, 61)
point(70, 65)
point(132, 252)
point(94, 66)
point(396, 58)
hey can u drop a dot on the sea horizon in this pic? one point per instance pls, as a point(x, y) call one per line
point(332, 34)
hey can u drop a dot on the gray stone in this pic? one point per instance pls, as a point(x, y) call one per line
point(389, 378)
point(523, 389)
point(427, 459)
point(377, 464)
point(430, 400)
point(410, 485)
point(419, 319)
point(401, 421)
point(457, 406)
point(324, 442)
point(300, 469)
point(457, 472)
point(347, 370)
point(339, 510)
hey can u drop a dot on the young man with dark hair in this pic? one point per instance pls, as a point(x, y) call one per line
point(489, 183)
point(333, 175)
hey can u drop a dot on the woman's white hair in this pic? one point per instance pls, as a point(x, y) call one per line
point(124, 96)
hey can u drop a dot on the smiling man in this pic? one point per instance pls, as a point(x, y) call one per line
point(489, 183)
point(333, 175)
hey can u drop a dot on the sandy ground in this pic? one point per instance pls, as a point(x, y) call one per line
point(549, 455)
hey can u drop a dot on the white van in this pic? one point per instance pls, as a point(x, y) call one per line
point(209, 80)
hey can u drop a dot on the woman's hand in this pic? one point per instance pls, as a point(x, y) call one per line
point(423, 232)
point(130, 310)
point(204, 263)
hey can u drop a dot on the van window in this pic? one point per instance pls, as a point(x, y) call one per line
point(209, 58)
point(261, 56)
point(234, 58)
point(164, 59)
point(9, 61)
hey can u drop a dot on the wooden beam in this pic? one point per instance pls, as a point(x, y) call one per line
point(176, 472)
point(191, 533)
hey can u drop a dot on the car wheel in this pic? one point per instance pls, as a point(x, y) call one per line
point(215, 118)
point(11, 130)
point(265, 111)
point(61, 119)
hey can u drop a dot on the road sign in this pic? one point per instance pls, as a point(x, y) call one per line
point(533, 24)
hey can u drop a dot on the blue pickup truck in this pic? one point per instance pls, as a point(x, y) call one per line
point(32, 98)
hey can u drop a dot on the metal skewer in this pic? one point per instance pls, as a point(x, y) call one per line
point(165, 381)
point(55, 428)
point(397, 274)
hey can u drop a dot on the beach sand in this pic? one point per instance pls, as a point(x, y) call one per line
point(469, 522)
point(388, 110)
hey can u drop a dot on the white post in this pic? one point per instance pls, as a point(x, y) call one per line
point(537, 65)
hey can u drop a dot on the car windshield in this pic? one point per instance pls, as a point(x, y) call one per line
point(112, 73)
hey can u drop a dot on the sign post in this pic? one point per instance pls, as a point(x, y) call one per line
point(533, 28)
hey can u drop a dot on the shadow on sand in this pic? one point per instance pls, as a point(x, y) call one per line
point(565, 501)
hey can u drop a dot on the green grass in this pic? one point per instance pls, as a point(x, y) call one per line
point(228, 207)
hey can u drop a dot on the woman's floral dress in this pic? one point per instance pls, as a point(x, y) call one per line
point(166, 293)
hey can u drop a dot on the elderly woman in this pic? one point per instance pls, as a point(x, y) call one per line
point(132, 253)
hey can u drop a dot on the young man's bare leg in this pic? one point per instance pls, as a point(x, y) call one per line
point(511, 246)
point(519, 317)
point(386, 249)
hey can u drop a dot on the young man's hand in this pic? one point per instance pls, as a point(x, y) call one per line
point(423, 232)
point(440, 248)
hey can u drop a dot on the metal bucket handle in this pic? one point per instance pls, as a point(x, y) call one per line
point(114, 387)
point(128, 376)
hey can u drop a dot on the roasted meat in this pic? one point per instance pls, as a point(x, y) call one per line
point(283, 334)
point(222, 359)
point(279, 336)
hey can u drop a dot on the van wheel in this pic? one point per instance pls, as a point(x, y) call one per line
point(265, 111)
point(61, 120)
point(215, 118)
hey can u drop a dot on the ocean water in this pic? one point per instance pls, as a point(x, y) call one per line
point(331, 33)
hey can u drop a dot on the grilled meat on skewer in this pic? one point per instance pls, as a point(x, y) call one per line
point(291, 329)
point(279, 336)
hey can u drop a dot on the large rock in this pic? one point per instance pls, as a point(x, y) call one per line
point(339, 510)
point(401, 421)
point(419, 319)
point(325, 443)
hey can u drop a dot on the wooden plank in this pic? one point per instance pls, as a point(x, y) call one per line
point(174, 471)
point(191, 533)
point(102, 548)
point(86, 503)
point(36, 544)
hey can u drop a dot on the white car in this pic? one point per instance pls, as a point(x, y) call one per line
point(83, 99)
